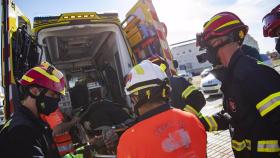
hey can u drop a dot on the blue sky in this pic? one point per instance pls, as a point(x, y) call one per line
point(184, 18)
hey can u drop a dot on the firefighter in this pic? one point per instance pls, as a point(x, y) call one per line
point(184, 95)
point(25, 134)
point(160, 131)
point(271, 26)
point(251, 90)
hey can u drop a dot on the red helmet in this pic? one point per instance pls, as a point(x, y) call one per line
point(159, 61)
point(221, 24)
point(271, 22)
point(45, 75)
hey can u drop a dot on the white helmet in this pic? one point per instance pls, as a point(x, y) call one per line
point(147, 80)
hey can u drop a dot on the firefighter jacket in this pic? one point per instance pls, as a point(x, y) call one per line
point(26, 136)
point(185, 96)
point(164, 132)
point(251, 108)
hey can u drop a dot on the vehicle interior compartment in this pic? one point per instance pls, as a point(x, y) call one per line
point(89, 55)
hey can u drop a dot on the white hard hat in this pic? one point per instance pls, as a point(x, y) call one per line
point(144, 75)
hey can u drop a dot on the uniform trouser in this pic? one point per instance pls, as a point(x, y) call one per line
point(254, 154)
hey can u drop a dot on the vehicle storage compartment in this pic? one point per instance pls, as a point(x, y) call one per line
point(93, 52)
point(94, 59)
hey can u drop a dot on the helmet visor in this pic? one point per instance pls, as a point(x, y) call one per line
point(200, 42)
point(269, 23)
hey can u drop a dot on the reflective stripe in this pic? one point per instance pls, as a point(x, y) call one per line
point(212, 20)
point(6, 125)
point(188, 91)
point(213, 126)
point(248, 144)
point(65, 148)
point(269, 103)
point(163, 67)
point(260, 63)
point(190, 109)
point(138, 69)
point(241, 145)
point(142, 87)
point(268, 146)
point(26, 78)
point(43, 72)
point(228, 23)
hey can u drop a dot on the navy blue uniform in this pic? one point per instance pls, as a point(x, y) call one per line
point(25, 136)
point(185, 96)
point(251, 108)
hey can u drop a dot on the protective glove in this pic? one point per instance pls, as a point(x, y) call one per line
point(110, 138)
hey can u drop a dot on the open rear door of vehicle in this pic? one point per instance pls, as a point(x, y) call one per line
point(146, 34)
point(16, 39)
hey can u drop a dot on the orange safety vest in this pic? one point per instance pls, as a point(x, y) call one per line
point(63, 141)
point(172, 133)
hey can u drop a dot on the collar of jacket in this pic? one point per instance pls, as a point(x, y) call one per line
point(28, 113)
point(153, 112)
point(234, 58)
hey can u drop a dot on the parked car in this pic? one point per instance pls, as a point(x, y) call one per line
point(186, 75)
point(209, 84)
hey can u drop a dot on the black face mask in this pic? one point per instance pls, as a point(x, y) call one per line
point(211, 55)
point(46, 105)
point(277, 47)
point(220, 73)
point(213, 51)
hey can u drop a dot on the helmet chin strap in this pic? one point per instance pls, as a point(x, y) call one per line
point(43, 92)
point(212, 52)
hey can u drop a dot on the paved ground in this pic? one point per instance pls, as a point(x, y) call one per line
point(218, 143)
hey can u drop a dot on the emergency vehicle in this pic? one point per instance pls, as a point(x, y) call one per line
point(81, 45)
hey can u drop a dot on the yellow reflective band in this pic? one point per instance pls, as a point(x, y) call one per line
point(63, 91)
point(260, 63)
point(248, 144)
point(6, 125)
point(43, 72)
point(139, 70)
point(228, 24)
point(213, 126)
point(212, 20)
point(190, 109)
point(162, 67)
point(269, 103)
point(143, 87)
point(268, 146)
point(148, 93)
point(26, 78)
point(163, 92)
point(241, 145)
point(188, 91)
